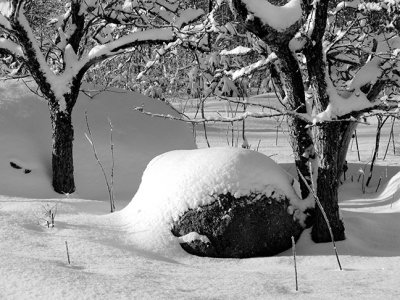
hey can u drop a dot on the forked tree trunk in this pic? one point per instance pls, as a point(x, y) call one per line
point(62, 158)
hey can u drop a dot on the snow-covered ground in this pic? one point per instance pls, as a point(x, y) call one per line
point(106, 263)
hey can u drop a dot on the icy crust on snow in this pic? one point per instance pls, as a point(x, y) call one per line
point(278, 17)
point(177, 181)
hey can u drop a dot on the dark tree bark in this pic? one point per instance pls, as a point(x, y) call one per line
point(300, 136)
point(327, 143)
point(62, 139)
point(62, 157)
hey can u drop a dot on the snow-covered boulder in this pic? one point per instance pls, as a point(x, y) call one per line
point(252, 225)
point(230, 202)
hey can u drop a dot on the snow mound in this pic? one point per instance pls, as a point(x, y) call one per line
point(25, 140)
point(387, 201)
point(391, 194)
point(177, 181)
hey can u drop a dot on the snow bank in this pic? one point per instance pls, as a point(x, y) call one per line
point(25, 139)
point(387, 201)
point(177, 181)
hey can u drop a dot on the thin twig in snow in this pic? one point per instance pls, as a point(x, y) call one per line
point(109, 187)
point(295, 264)
point(66, 246)
point(312, 190)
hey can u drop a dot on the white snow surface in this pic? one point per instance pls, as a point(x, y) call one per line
point(177, 181)
point(278, 17)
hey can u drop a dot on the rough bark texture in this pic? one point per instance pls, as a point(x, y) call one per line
point(62, 140)
point(300, 137)
point(346, 131)
point(327, 142)
point(62, 157)
point(249, 226)
point(291, 77)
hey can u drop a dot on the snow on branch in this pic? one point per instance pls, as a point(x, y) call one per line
point(239, 50)
point(188, 16)
point(11, 47)
point(247, 70)
point(237, 118)
point(346, 4)
point(278, 17)
point(131, 40)
point(159, 54)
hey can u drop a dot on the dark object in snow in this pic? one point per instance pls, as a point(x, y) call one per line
point(18, 167)
point(15, 165)
point(250, 226)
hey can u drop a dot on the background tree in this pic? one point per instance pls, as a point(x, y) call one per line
point(345, 55)
point(84, 34)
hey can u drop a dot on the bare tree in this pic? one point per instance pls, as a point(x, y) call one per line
point(347, 52)
point(84, 34)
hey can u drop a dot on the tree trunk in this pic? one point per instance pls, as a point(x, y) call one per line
point(346, 132)
point(328, 145)
point(300, 138)
point(62, 158)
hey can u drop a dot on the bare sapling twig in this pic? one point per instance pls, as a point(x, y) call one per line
point(112, 199)
point(66, 247)
point(391, 136)
point(110, 187)
point(312, 191)
point(245, 143)
point(381, 122)
point(358, 149)
point(202, 103)
point(258, 145)
point(48, 215)
point(393, 141)
point(379, 183)
point(362, 175)
point(294, 260)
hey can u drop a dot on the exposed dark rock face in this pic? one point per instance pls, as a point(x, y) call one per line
point(254, 225)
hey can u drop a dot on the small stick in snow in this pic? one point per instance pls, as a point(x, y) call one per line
point(294, 259)
point(66, 246)
point(379, 183)
point(258, 145)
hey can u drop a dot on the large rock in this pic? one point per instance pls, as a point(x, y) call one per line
point(253, 225)
point(220, 202)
